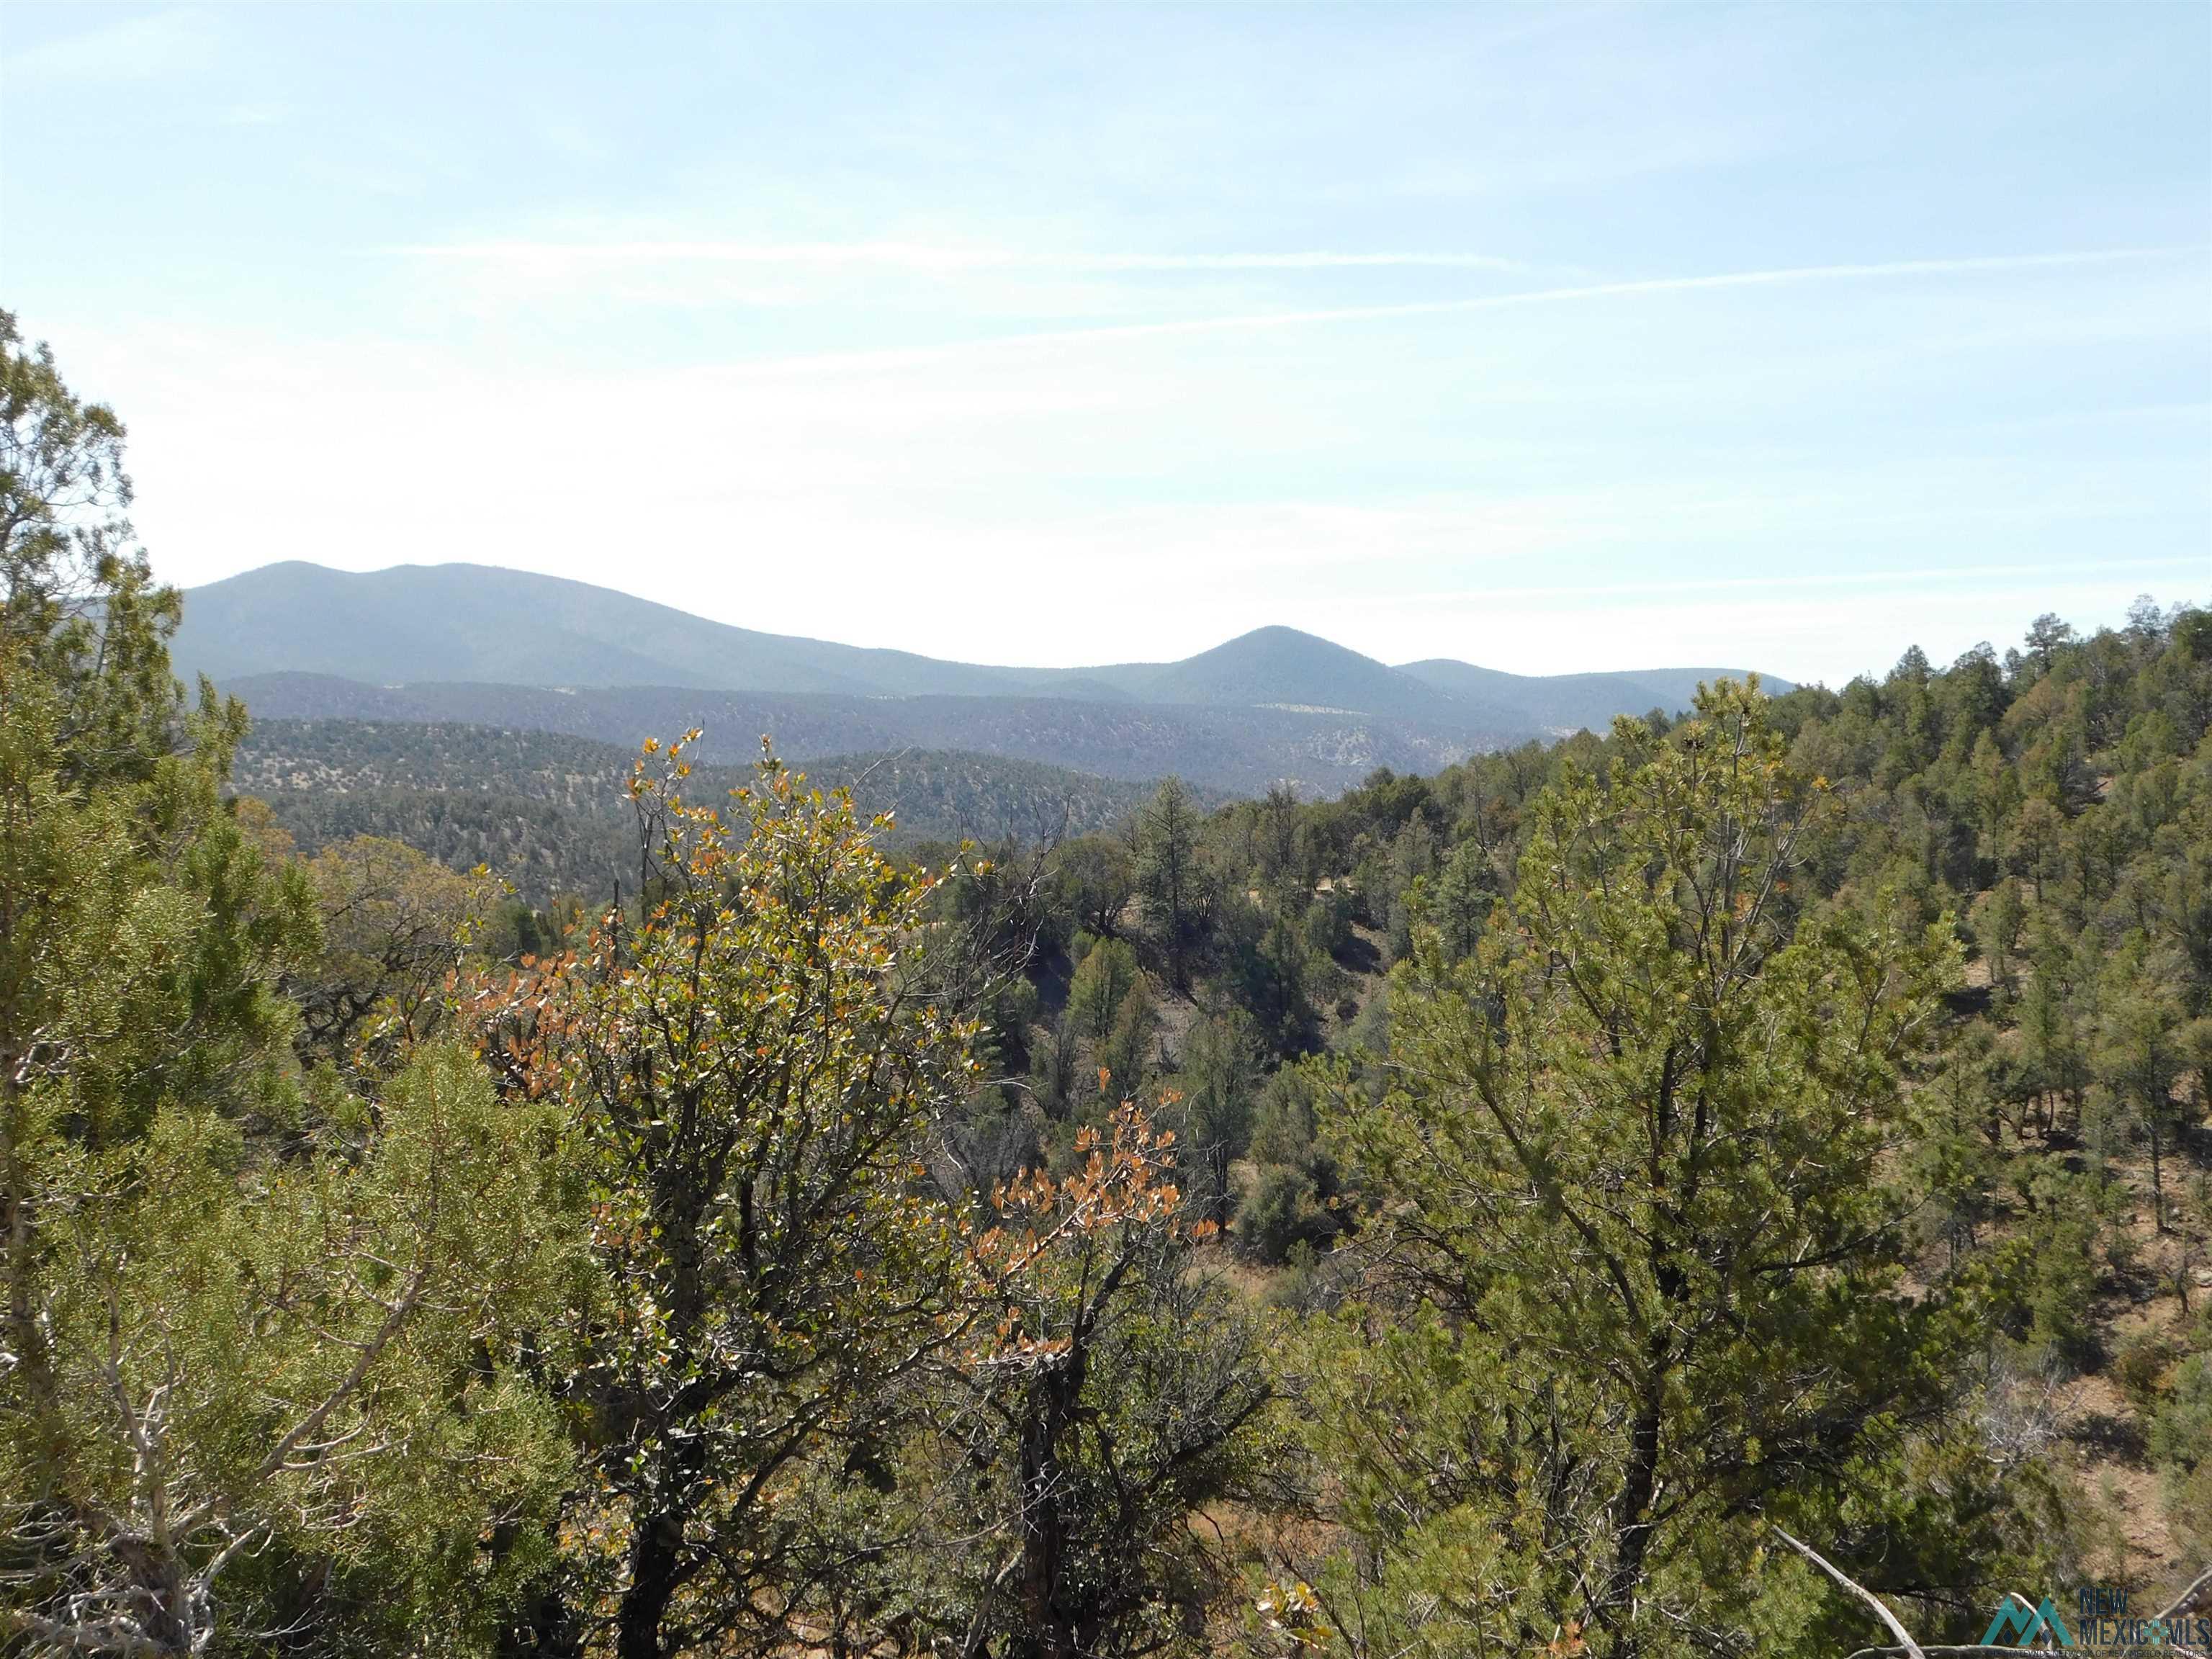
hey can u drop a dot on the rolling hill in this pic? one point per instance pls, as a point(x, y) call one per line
point(482, 646)
point(547, 810)
point(473, 622)
point(1232, 749)
point(1283, 668)
point(1568, 702)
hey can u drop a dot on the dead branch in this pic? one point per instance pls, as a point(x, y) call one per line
point(1907, 1646)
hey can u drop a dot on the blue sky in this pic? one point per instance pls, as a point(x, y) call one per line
point(1551, 338)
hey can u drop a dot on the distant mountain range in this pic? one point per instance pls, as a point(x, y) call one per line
point(507, 648)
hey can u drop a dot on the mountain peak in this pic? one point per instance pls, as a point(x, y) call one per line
point(448, 624)
point(1274, 633)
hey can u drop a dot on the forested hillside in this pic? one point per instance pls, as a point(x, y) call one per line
point(1531, 1208)
point(547, 812)
point(1447, 1052)
point(1242, 750)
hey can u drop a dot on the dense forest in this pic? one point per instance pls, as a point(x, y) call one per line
point(1241, 748)
point(1653, 1194)
point(548, 812)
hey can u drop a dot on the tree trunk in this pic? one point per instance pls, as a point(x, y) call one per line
point(1049, 1629)
point(1632, 1521)
point(655, 1555)
point(2157, 1182)
point(657, 1537)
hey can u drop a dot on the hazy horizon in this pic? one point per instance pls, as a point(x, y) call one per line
point(1554, 340)
point(1772, 670)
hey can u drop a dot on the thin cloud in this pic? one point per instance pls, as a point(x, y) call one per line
point(924, 256)
point(162, 44)
point(1788, 274)
point(1829, 580)
point(1257, 321)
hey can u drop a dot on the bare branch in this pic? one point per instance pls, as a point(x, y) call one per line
point(1907, 1646)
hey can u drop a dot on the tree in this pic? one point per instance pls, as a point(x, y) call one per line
point(79, 608)
point(1289, 1203)
point(2181, 1444)
point(311, 1379)
point(1126, 1056)
point(1219, 1076)
point(1053, 1067)
point(2036, 843)
point(2052, 1054)
point(1275, 839)
point(1628, 1199)
point(750, 1069)
point(1998, 917)
point(395, 925)
point(233, 1364)
point(1102, 980)
point(1122, 1394)
point(1096, 879)
point(1455, 900)
point(2142, 1051)
point(1169, 877)
point(1274, 971)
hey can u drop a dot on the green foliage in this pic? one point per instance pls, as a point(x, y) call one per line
point(1124, 1393)
point(264, 1336)
point(1291, 1203)
point(79, 609)
point(750, 1071)
point(395, 926)
point(546, 812)
point(786, 1269)
point(1629, 1195)
point(1105, 973)
point(1170, 879)
point(1455, 900)
point(1220, 1074)
point(1276, 975)
point(2181, 1440)
point(2144, 1367)
point(2065, 1237)
point(1096, 879)
point(1126, 1056)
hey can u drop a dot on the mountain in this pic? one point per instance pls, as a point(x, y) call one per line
point(485, 646)
point(473, 622)
point(1566, 702)
point(1281, 668)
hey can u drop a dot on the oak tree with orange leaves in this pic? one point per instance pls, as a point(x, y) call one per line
point(1120, 1394)
point(750, 1064)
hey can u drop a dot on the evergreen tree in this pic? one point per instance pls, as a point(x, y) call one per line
point(262, 1334)
point(1631, 1217)
point(1168, 876)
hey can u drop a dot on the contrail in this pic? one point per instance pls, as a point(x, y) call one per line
point(1777, 277)
point(921, 256)
point(1786, 274)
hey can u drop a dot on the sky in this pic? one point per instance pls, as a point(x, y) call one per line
point(1553, 338)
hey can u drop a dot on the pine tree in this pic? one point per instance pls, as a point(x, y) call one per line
point(1629, 1212)
point(1169, 879)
